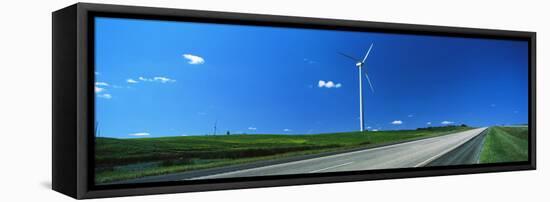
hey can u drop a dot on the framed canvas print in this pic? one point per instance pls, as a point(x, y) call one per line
point(153, 100)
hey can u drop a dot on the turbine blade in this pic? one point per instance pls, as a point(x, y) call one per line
point(367, 55)
point(350, 57)
point(370, 84)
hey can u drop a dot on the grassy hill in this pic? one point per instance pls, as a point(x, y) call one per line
point(119, 159)
point(505, 144)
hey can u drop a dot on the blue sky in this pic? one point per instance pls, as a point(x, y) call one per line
point(160, 78)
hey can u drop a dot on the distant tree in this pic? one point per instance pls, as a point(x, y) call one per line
point(463, 125)
point(228, 133)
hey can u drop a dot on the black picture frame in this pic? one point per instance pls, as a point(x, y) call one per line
point(73, 100)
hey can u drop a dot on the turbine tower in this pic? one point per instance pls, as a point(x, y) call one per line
point(359, 64)
point(215, 126)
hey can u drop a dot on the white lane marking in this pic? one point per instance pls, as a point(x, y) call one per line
point(447, 150)
point(331, 156)
point(331, 167)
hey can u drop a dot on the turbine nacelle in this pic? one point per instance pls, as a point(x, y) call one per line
point(359, 64)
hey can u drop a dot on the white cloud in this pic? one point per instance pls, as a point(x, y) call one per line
point(139, 134)
point(105, 95)
point(286, 130)
point(131, 81)
point(163, 79)
point(144, 79)
point(252, 128)
point(428, 123)
point(160, 79)
point(410, 115)
point(397, 122)
point(193, 59)
point(101, 84)
point(368, 127)
point(99, 89)
point(321, 83)
point(307, 60)
point(374, 130)
point(328, 84)
point(447, 122)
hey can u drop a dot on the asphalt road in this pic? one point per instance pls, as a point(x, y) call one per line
point(467, 153)
point(404, 155)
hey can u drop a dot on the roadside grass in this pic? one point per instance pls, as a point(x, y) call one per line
point(505, 144)
point(122, 159)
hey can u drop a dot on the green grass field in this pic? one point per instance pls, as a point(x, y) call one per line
point(121, 159)
point(505, 144)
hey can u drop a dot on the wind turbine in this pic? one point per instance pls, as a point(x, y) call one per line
point(215, 126)
point(359, 64)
